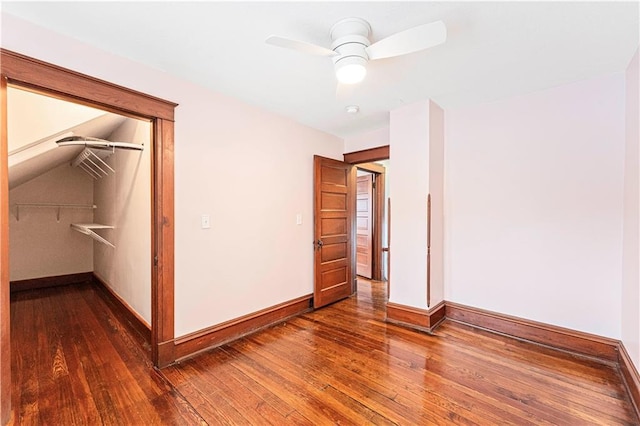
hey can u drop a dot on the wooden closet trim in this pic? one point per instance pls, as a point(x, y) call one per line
point(33, 74)
point(79, 88)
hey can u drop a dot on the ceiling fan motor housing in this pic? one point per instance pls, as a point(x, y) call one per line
point(350, 38)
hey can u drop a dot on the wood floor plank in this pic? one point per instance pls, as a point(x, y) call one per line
point(75, 362)
point(302, 395)
point(346, 357)
point(356, 374)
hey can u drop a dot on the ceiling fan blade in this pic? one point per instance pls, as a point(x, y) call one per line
point(409, 41)
point(300, 46)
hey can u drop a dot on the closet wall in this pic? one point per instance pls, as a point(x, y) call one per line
point(124, 200)
point(39, 244)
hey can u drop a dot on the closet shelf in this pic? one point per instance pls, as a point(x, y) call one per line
point(88, 229)
point(52, 206)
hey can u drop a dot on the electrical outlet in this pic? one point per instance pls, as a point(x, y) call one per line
point(205, 222)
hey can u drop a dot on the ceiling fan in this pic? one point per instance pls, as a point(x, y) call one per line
point(351, 48)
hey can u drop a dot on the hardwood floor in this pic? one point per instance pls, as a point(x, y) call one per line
point(75, 363)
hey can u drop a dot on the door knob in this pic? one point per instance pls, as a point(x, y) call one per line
point(318, 244)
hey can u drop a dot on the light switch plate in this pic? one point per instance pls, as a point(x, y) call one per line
point(299, 219)
point(205, 222)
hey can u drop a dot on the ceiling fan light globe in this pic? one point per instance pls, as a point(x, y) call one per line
point(350, 73)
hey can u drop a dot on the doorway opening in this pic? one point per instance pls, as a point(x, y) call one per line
point(371, 234)
point(22, 71)
point(80, 211)
point(372, 164)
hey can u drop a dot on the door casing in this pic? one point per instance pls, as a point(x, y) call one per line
point(365, 228)
point(364, 160)
point(378, 172)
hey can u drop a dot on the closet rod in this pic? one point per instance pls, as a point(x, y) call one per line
point(53, 205)
point(97, 143)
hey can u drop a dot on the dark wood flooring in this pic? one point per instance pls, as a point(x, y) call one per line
point(75, 363)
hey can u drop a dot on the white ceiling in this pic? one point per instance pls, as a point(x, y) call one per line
point(494, 49)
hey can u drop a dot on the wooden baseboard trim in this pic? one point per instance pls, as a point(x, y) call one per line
point(630, 377)
point(550, 335)
point(225, 332)
point(44, 282)
point(166, 353)
point(123, 309)
point(420, 319)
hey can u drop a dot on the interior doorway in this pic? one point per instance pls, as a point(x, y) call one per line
point(80, 199)
point(375, 162)
point(364, 223)
point(370, 220)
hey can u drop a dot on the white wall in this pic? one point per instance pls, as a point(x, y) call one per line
point(367, 140)
point(534, 205)
point(39, 245)
point(251, 170)
point(417, 147)
point(409, 149)
point(436, 189)
point(631, 238)
point(124, 201)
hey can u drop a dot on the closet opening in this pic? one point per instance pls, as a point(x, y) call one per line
point(22, 72)
point(80, 207)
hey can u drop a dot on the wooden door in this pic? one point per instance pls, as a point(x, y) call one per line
point(334, 230)
point(364, 225)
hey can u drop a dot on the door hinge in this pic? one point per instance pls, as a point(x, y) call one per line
point(155, 260)
point(373, 184)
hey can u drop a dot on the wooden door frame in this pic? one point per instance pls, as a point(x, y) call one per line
point(25, 72)
point(378, 173)
point(369, 179)
point(363, 160)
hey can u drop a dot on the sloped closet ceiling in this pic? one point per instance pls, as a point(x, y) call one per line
point(36, 122)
